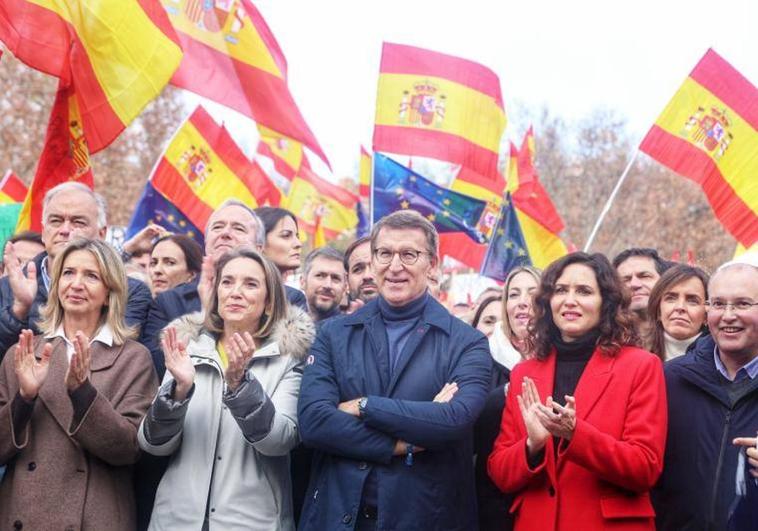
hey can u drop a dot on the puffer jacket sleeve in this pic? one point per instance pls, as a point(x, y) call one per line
point(268, 423)
point(160, 432)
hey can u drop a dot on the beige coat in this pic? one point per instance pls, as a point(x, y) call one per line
point(75, 477)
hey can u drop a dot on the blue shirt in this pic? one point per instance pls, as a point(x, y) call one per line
point(749, 370)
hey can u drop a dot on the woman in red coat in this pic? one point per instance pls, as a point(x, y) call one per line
point(583, 432)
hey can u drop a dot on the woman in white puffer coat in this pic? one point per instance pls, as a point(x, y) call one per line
point(227, 410)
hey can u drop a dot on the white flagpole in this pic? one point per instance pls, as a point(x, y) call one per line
point(607, 206)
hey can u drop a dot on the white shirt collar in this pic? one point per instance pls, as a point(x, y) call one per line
point(104, 336)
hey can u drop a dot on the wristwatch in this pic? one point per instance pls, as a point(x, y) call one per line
point(362, 405)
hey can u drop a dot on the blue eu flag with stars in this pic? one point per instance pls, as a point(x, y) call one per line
point(154, 208)
point(396, 187)
point(507, 248)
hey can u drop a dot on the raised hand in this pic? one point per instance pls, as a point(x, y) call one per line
point(240, 349)
point(79, 365)
point(207, 279)
point(529, 403)
point(31, 373)
point(446, 393)
point(751, 450)
point(559, 420)
point(143, 240)
point(178, 363)
point(24, 287)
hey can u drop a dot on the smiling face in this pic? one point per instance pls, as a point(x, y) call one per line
point(576, 302)
point(81, 289)
point(518, 302)
point(168, 267)
point(401, 283)
point(242, 294)
point(360, 276)
point(638, 274)
point(283, 245)
point(229, 228)
point(683, 308)
point(736, 333)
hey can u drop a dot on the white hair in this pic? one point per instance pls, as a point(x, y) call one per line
point(74, 186)
point(260, 231)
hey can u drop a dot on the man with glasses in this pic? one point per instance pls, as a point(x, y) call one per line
point(389, 398)
point(707, 481)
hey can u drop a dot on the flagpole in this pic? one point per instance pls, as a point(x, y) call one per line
point(607, 206)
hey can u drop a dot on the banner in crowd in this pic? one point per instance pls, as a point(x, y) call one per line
point(232, 57)
point(708, 132)
point(538, 218)
point(316, 201)
point(153, 207)
point(441, 107)
point(202, 167)
point(396, 187)
point(508, 247)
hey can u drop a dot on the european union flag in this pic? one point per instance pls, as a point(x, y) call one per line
point(362, 229)
point(395, 187)
point(154, 208)
point(507, 248)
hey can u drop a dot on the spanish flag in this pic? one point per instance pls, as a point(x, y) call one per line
point(316, 201)
point(12, 189)
point(279, 156)
point(117, 54)
point(202, 167)
point(364, 174)
point(539, 220)
point(232, 57)
point(65, 157)
point(442, 107)
point(708, 132)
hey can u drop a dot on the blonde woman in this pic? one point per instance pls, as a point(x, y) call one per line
point(227, 410)
point(71, 401)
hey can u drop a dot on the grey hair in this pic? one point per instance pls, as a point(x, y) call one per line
point(732, 264)
point(330, 253)
point(74, 186)
point(408, 219)
point(260, 230)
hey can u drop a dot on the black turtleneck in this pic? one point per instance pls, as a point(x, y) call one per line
point(570, 363)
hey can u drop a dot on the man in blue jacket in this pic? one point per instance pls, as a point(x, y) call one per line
point(713, 415)
point(70, 210)
point(389, 399)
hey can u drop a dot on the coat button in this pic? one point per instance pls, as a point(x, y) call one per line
point(551, 491)
point(32, 466)
point(18, 524)
point(347, 518)
point(363, 465)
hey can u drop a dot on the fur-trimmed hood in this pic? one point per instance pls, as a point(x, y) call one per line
point(294, 333)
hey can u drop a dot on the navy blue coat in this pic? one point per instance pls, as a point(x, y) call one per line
point(136, 307)
point(349, 359)
point(696, 490)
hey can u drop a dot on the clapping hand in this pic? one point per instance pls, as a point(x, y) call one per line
point(178, 363)
point(529, 404)
point(30, 372)
point(207, 279)
point(559, 420)
point(79, 366)
point(24, 287)
point(240, 349)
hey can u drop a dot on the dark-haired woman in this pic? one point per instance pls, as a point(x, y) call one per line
point(677, 310)
point(583, 432)
point(283, 246)
point(175, 259)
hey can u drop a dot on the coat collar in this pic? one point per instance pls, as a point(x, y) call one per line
point(434, 315)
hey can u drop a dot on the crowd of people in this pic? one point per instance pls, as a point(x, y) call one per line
point(169, 386)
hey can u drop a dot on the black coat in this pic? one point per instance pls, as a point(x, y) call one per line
point(136, 307)
point(697, 488)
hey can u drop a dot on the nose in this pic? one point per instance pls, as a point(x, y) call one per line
point(679, 305)
point(570, 299)
point(634, 283)
point(396, 264)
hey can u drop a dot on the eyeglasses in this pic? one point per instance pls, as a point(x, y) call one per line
point(407, 256)
point(738, 306)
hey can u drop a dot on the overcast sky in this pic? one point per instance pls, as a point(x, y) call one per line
point(573, 56)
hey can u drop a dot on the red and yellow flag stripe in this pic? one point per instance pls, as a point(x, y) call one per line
point(708, 132)
point(364, 174)
point(12, 189)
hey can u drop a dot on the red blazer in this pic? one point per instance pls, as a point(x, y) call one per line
point(600, 478)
